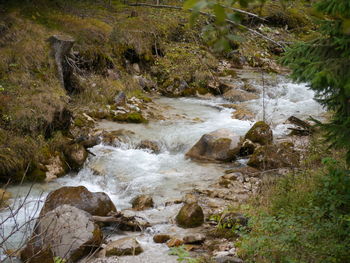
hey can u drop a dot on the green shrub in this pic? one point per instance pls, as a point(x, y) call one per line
point(307, 219)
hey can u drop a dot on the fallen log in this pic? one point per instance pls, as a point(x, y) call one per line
point(300, 123)
point(127, 223)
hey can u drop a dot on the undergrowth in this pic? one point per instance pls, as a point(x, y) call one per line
point(303, 217)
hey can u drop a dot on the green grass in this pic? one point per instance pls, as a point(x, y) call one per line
point(302, 218)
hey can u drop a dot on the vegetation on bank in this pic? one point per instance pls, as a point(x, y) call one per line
point(113, 42)
point(304, 216)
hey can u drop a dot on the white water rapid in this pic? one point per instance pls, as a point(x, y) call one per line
point(125, 172)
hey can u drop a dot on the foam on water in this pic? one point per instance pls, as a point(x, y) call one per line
point(123, 172)
point(284, 100)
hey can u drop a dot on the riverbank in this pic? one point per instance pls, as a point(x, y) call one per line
point(97, 116)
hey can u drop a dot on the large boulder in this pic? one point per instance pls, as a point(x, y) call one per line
point(66, 232)
point(97, 204)
point(274, 156)
point(142, 202)
point(123, 247)
point(190, 215)
point(153, 146)
point(220, 145)
point(237, 95)
point(76, 155)
point(260, 133)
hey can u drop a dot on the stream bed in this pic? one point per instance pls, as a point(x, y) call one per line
point(123, 172)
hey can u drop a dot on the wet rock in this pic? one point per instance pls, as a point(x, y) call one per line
point(175, 242)
point(247, 148)
point(56, 167)
point(66, 232)
point(161, 238)
point(274, 156)
point(123, 247)
point(142, 202)
point(4, 198)
point(237, 95)
point(242, 113)
point(189, 198)
point(98, 204)
point(151, 145)
point(190, 215)
point(132, 222)
point(120, 99)
point(112, 137)
point(194, 239)
point(88, 141)
point(75, 155)
point(226, 84)
point(260, 133)
point(220, 145)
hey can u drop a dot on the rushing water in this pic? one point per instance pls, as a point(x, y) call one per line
point(125, 172)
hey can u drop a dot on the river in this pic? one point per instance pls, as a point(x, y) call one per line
point(125, 172)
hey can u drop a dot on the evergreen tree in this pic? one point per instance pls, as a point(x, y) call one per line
point(325, 63)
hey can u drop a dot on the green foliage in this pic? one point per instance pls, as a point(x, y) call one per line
point(218, 34)
point(183, 255)
point(59, 260)
point(324, 63)
point(307, 219)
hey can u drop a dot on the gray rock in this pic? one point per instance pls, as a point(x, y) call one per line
point(66, 232)
point(151, 145)
point(194, 239)
point(219, 145)
point(161, 238)
point(123, 247)
point(142, 202)
point(98, 204)
point(76, 155)
point(190, 215)
point(120, 99)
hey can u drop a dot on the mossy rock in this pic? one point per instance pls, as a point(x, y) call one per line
point(95, 203)
point(75, 155)
point(280, 16)
point(260, 133)
point(133, 117)
point(142, 202)
point(191, 215)
point(37, 174)
point(274, 156)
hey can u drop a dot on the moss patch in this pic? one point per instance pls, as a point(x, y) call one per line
point(134, 117)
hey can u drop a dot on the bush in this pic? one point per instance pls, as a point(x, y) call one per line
point(307, 219)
